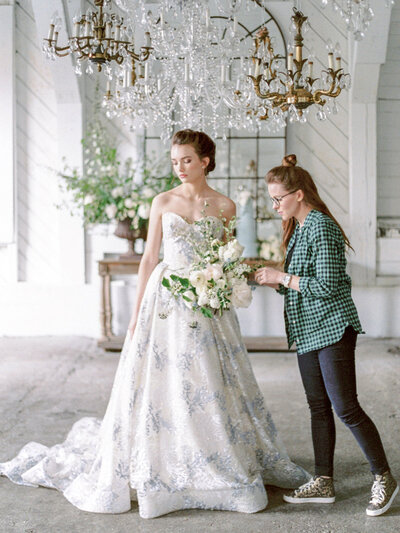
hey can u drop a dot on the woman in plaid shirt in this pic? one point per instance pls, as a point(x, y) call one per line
point(321, 318)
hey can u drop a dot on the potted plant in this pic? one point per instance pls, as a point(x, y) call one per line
point(106, 191)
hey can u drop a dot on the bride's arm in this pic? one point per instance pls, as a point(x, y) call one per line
point(150, 257)
point(228, 211)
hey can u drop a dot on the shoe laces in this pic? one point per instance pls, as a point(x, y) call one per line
point(378, 491)
point(307, 485)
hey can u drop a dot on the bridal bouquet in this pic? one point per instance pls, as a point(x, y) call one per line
point(218, 279)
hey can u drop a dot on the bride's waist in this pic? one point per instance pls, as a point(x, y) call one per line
point(179, 267)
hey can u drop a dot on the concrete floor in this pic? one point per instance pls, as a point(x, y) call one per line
point(48, 383)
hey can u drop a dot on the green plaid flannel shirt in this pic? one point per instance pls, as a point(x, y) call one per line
point(317, 316)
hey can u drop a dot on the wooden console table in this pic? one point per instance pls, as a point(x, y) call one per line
point(110, 342)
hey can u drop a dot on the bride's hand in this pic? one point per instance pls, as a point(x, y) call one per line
point(132, 326)
point(268, 276)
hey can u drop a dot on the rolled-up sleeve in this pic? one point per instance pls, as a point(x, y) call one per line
point(328, 250)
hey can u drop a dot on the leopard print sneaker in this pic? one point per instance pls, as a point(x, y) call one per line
point(317, 490)
point(383, 493)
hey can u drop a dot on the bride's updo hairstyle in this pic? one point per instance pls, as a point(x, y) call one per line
point(294, 178)
point(203, 145)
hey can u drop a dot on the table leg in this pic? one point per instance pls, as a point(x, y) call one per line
point(107, 306)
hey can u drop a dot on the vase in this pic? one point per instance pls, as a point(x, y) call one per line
point(246, 229)
point(124, 230)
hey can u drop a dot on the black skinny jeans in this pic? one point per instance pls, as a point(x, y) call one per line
point(329, 379)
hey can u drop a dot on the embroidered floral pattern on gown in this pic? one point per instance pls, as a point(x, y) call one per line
point(186, 425)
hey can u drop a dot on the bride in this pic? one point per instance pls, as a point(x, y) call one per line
point(186, 425)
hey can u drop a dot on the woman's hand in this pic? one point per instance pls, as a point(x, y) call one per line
point(269, 276)
point(132, 325)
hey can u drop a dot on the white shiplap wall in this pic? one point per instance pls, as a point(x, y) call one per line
point(46, 304)
point(389, 124)
point(322, 147)
point(36, 154)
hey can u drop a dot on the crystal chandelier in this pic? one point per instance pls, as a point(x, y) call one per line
point(197, 75)
point(356, 13)
point(294, 90)
point(102, 38)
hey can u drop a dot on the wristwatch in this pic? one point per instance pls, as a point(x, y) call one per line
point(286, 280)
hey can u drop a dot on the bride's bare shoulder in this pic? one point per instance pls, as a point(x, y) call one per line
point(224, 204)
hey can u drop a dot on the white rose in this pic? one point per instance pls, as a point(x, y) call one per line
point(197, 279)
point(215, 303)
point(203, 298)
point(88, 199)
point(117, 191)
point(98, 151)
point(129, 203)
point(89, 171)
point(148, 192)
point(144, 211)
point(217, 271)
point(111, 210)
point(134, 195)
point(221, 252)
point(131, 213)
point(241, 295)
point(221, 283)
point(233, 250)
point(213, 271)
point(189, 294)
point(265, 250)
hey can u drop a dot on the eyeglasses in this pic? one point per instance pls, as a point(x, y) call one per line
point(276, 200)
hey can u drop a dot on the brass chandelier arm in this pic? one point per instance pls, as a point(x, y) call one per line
point(332, 94)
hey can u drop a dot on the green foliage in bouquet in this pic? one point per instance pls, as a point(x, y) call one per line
point(105, 190)
point(218, 277)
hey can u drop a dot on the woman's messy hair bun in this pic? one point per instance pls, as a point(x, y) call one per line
point(289, 160)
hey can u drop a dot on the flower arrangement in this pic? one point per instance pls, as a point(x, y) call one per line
point(106, 191)
point(270, 249)
point(218, 279)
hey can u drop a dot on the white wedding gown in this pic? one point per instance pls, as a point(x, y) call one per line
point(186, 425)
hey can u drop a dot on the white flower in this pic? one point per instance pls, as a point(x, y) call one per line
point(89, 171)
point(231, 251)
point(97, 151)
point(135, 222)
point(117, 191)
point(144, 211)
point(189, 294)
point(111, 210)
point(197, 279)
point(265, 250)
point(203, 298)
point(215, 303)
point(270, 249)
point(88, 199)
point(147, 192)
point(131, 213)
point(134, 195)
point(129, 203)
point(241, 294)
point(221, 284)
point(213, 271)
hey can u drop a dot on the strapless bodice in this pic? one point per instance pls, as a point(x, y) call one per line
point(181, 238)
